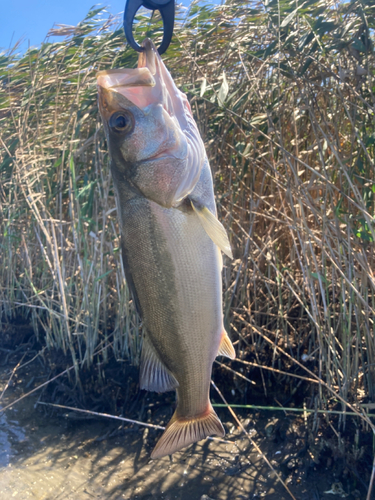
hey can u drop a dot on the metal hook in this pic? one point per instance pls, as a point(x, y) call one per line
point(166, 9)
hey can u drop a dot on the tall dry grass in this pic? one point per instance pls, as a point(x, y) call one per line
point(284, 98)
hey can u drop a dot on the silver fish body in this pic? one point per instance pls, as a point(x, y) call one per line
point(173, 266)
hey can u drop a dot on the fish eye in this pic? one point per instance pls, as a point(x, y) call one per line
point(121, 122)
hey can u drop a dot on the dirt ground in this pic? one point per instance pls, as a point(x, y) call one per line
point(62, 455)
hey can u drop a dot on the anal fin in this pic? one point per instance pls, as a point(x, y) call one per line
point(213, 227)
point(154, 375)
point(181, 432)
point(226, 347)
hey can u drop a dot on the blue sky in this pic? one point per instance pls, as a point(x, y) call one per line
point(31, 19)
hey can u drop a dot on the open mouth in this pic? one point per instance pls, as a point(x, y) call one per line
point(137, 85)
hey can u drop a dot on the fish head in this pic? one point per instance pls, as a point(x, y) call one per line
point(153, 140)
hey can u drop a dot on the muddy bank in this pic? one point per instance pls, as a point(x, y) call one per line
point(64, 455)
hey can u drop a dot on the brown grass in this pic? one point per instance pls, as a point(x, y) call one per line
point(284, 99)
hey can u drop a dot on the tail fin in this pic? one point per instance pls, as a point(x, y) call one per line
point(181, 432)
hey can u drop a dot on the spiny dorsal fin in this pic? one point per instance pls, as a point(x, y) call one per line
point(181, 432)
point(154, 376)
point(226, 347)
point(213, 228)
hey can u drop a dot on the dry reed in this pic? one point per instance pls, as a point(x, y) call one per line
point(284, 98)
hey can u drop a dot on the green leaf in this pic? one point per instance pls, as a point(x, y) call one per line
point(289, 17)
point(57, 163)
point(358, 45)
point(92, 13)
point(85, 191)
point(322, 278)
point(270, 49)
point(308, 62)
point(305, 39)
point(203, 87)
point(258, 119)
point(103, 275)
point(223, 92)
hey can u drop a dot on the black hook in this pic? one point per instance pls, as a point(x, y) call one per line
point(166, 9)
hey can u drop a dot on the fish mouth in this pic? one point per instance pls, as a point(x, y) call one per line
point(149, 83)
point(119, 78)
point(138, 85)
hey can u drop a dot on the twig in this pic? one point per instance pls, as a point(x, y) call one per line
point(123, 419)
point(252, 441)
point(297, 410)
point(272, 369)
point(105, 415)
point(335, 394)
point(12, 375)
point(234, 371)
point(36, 389)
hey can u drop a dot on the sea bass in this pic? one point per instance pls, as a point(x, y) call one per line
point(170, 238)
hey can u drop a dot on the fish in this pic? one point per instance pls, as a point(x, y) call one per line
point(171, 240)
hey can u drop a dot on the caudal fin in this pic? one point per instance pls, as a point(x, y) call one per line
point(181, 432)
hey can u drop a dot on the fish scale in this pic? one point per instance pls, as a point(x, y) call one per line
point(170, 240)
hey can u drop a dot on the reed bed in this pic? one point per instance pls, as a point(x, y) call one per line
point(284, 98)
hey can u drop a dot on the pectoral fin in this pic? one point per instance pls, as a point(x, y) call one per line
point(213, 228)
point(226, 347)
point(154, 375)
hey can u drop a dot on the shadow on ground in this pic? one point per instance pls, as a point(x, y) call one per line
point(65, 457)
